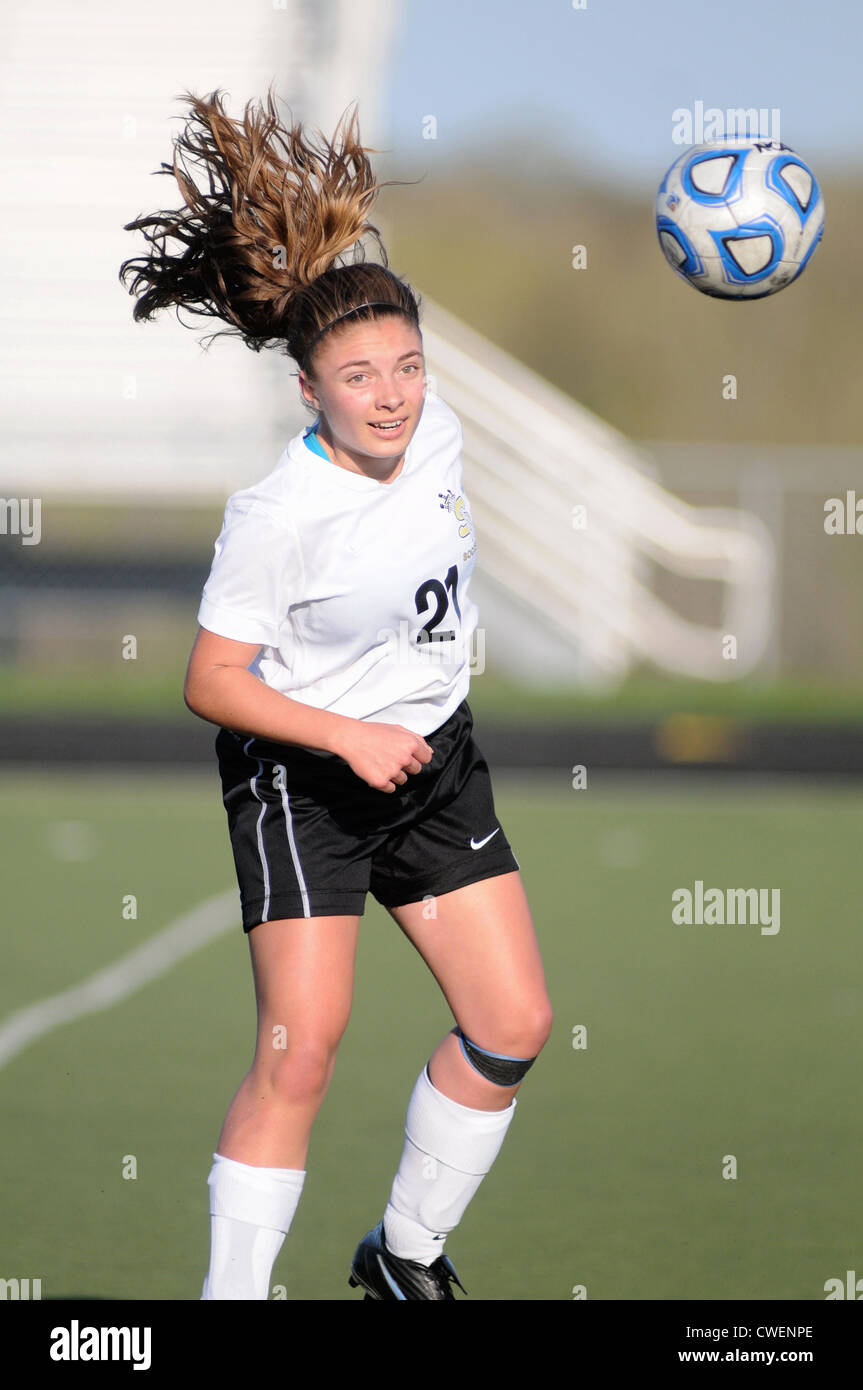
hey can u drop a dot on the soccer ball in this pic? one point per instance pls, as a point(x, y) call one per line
point(739, 218)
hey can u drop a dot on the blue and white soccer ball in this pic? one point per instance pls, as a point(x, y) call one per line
point(739, 218)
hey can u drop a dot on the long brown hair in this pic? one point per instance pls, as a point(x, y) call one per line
point(261, 245)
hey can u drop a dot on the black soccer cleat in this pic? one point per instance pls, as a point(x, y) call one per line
point(385, 1276)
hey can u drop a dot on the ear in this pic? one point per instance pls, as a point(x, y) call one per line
point(307, 390)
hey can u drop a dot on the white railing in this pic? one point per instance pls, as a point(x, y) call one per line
point(570, 522)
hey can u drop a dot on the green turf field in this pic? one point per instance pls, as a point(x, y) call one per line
point(702, 1042)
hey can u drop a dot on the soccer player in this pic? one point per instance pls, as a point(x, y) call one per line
point(333, 652)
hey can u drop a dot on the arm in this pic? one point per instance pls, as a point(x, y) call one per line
point(219, 688)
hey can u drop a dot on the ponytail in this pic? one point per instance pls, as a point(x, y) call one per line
point(260, 245)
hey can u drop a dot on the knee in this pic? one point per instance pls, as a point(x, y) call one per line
point(521, 1032)
point(298, 1072)
point(531, 1031)
point(542, 1022)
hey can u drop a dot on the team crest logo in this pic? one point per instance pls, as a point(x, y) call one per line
point(460, 510)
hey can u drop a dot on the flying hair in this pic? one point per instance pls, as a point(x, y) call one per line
point(269, 214)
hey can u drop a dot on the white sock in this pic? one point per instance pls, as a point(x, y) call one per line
point(251, 1210)
point(448, 1150)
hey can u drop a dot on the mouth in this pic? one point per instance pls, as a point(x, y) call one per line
point(387, 428)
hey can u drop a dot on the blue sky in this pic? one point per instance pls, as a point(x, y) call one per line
point(600, 84)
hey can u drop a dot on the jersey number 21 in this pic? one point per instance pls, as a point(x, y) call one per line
point(433, 589)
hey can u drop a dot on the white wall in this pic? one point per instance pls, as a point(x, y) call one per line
point(93, 403)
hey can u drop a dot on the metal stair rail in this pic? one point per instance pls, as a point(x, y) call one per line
point(570, 522)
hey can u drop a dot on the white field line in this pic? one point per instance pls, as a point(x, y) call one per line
point(130, 973)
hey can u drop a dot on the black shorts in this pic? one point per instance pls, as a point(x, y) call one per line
point(310, 838)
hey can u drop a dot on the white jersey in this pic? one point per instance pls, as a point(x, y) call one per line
point(357, 590)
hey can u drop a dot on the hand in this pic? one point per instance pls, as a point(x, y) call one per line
point(383, 754)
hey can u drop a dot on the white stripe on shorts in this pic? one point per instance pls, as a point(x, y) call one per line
point(265, 868)
point(289, 826)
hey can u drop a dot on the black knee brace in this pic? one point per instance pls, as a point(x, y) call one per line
point(494, 1066)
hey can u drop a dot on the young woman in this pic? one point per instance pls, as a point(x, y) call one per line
point(333, 652)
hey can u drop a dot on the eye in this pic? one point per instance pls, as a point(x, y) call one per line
point(358, 377)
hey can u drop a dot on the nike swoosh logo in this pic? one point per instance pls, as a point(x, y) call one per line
point(478, 844)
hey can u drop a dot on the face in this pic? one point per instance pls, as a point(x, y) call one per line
point(364, 376)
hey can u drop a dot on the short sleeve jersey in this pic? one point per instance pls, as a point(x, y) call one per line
point(357, 591)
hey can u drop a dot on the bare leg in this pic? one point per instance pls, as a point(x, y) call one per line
point(482, 950)
point(304, 972)
point(481, 947)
